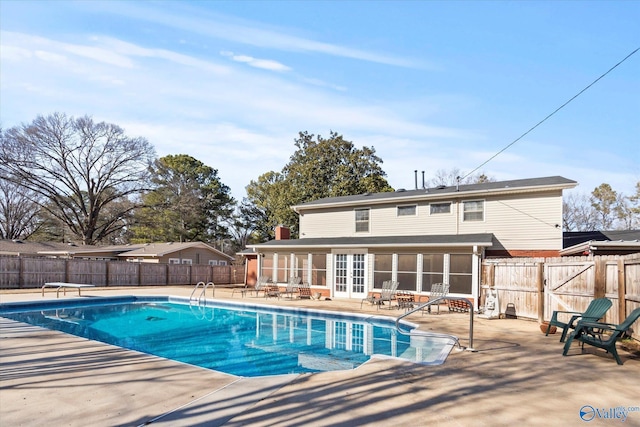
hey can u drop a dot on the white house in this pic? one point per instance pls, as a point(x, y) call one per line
point(349, 245)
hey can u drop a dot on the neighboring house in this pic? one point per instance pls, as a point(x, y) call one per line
point(177, 253)
point(616, 242)
point(27, 248)
point(169, 253)
point(349, 245)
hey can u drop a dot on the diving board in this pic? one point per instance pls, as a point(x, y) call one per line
point(64, 286)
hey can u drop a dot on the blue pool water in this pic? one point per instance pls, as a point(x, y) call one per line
point(239, 340)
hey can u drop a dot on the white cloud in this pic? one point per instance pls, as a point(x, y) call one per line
point(266, 64)
point(247, 32)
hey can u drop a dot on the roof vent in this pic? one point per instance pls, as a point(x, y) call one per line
point(400, 190)
point(366, 194)
point(441, 187)
point(16, 241)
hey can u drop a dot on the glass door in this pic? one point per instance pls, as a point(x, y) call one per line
point(350, 274)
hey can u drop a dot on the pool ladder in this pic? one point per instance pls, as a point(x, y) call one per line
point(434, 334)
point(203, 293)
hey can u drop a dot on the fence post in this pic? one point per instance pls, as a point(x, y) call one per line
point(622, 292)
point(540, 285)
point(21, 273)
point(599, 277)
point(106, 272)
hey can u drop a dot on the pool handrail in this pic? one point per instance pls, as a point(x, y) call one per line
point(437, 301)
point(203, 293)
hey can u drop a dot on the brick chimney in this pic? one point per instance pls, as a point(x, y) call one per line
point(282, 233)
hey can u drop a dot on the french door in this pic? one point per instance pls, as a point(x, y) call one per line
point(350, 270)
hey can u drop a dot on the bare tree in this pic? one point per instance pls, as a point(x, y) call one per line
point(18, 211)
point(578, 213)
point(80, 168)
point(456, 176)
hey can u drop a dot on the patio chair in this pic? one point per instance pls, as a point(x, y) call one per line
point(292, 286)
point(438, 293)
point(601, 335)
point(594, 312)
point(259, 286)
point(387, 293)
point(304, 291)
point(271, 290)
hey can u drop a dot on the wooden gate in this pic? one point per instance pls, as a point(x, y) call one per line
point(567, 286)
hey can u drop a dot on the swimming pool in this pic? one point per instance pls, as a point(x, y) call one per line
point(238, 339)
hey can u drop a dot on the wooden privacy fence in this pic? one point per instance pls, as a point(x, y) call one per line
point(539, 286)
point(25, 272)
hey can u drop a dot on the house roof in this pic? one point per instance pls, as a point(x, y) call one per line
point(25, 247)
point(601, 242)
point(141, 250)
point(484, 239)
point(153, 250)
point(443, 192)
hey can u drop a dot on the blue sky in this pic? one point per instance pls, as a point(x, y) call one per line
point(431, 85)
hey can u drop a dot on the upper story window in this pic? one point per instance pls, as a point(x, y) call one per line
point(174, 260)
point(439, 208)
point(213, 262)
point(187, 261)
point(362, 220)
point(473, 210)
point(222, 262)
point(407, 210)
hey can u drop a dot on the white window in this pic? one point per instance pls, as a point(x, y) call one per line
point(362, 220)
point(174, 260)
point(186, 261)
point(439, 208)
point(213, 262)
point(407, 210)
point(473, 210)
point(222, 262)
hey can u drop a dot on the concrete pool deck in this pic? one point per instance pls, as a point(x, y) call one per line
point(517, 376)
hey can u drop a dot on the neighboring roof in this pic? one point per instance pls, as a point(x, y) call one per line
point(26, 247)
point(88, 250)
point(572, 238)
point(500, 187)
point(484, 239)
point(247, 251)
point(601, 242)
point(19, 247)
point(152, 250)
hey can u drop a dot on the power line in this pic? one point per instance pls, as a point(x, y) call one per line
point(554, 112)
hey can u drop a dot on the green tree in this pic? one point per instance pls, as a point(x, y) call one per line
point(604, 200)
point(269, 204)
point(188, 203)
point(320, 167)
point(79, 171)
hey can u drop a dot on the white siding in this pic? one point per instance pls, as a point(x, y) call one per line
point(525, 221)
